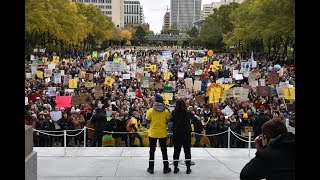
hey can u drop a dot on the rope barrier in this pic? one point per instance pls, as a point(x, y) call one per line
point(240, 138)
point(210, 134)
point(76, 134)
point(241, 135)
point(48, 133)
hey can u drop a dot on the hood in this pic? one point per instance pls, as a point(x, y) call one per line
point(159, 107)
point(284, 141)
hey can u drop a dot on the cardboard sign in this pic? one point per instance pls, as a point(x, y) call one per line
point(220, 81)
point(244, 94)
point(182, 93)
point(254, 84)
point(234, 73)
point(172, 84)
point(109, 81)
point(238, 77)
point(237, 92)
point(98, 92)
point(89, 76)
point(97, 66)
point(227, 111)
point(88, 84)
point(280, 92)
point(262, 82)
point(263, 91)
point(197, 85)
point(63, 101)
point(189, 83)
point(47, 73)
point(229, 93)
point(289, 93)
point(197, 65)
point(158, 86)
point(273, 78)
point(81, 99)
point(200, 100)
point(169, 95)
point(57, 78)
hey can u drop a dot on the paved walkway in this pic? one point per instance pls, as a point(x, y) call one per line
point(108, 163)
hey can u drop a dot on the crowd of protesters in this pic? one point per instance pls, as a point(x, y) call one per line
point(117, 107)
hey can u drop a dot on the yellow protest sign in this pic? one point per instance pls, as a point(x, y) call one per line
point(67, 60)
point(210, 53)
point(120, 60)
point(167, 75)
point(44, 59)
point(165, 98)
point(147, 66)
point(164, 60)
point(109, 81)
point(82, 74)
point(73, 83)
point(89, 57)
point(154, 68)
point(56, 59)
point(40, 74)
point(215, 91)
point(88, 84)
point(224, 96)
point(289, 93)
point(205, 59)
point(226, 86)
point(115, 55)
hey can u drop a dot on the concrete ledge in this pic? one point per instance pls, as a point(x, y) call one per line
point(28, 136)
point(31, 166)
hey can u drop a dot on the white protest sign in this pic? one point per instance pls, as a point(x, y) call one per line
point(227, 80)
point(125, 76)
point(34, 69)
point(234, 73)
point(133, 74)
point(55, 115)
point(52, 91)
point(227, 111)
point(57, 78)
point(182, 93)
point(262, 82)
point(47, 80)
point(180, 74)
point(198, 72)
point(238, 77)
point(220, 81)
point(172, 84)
point(254, 83)
point(26, 101)
point(51, 66)
point(28, 75)
point(47, 73)
point(253, 64)
point(32, 58)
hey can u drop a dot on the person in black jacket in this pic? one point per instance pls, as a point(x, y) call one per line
point(198, 128)
point(65, 124)
point(99, 122)
point(181, 134)
point(275, 156)
point(258, 122)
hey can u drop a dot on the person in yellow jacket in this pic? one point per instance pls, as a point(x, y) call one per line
point(133, 126)
point(158, 117)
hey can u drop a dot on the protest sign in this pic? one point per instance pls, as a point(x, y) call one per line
point(273, 78)
point(52, 91)
point(55, 59)
point(170, 96)
point(28, 75)
point(280, 92)
point(189, 83)
point(229, 93)
point(81, 99)
point(197, 65)
point(56, 115)
point(57, 78)
point(167, 89)
point(109, 81)
point(73, 83)
point(264, 91)
point(172, 84)
point(125, 76)
point(180, 74)
point(238, 77)
point(200, 99)
point(220, 81)
point(63, 101)
point(47, 73)
point(182, 93)
point(88, 84)
point(40, 74)
point(198, 72)
point(237, 92)
point(167, 75)
point(289, 93)
point(262, 82)
point(246, 130)
point(98, 92)
point(197, 85)
point(227, 111)
point(145, 82)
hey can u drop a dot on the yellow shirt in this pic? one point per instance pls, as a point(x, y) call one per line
point(135, 121)
point(158, 123)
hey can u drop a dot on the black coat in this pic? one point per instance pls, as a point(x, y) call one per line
point(258, 122)
point(276, 161)
point(100, 124)
point(181, 128)
point(198, 127)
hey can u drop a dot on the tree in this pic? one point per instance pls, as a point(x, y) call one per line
point(139, 35)
point(193, 32)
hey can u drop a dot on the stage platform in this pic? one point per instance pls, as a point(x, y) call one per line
point(131, 163)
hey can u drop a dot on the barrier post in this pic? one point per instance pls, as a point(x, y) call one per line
point(65, 142)
point(249, 143)
point(84, 136)
point(228, 137)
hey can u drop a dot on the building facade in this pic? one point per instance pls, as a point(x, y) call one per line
point(111, 8)
point(166, 21)
point(132, 12)
point(142, 15)
point(183, 13)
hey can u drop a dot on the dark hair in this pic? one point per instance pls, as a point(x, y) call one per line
point(180, 110)
point(273, 128)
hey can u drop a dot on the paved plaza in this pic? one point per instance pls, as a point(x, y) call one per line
point(130, 163)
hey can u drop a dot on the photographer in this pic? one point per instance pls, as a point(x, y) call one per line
point(275, 156)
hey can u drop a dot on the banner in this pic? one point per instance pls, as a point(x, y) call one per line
point(63, 101)
point(73, 83)
point(113, 66)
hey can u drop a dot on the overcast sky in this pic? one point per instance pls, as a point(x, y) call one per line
point(154, 11)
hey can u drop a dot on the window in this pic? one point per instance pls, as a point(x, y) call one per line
point(87, 1)
point(94, 1)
